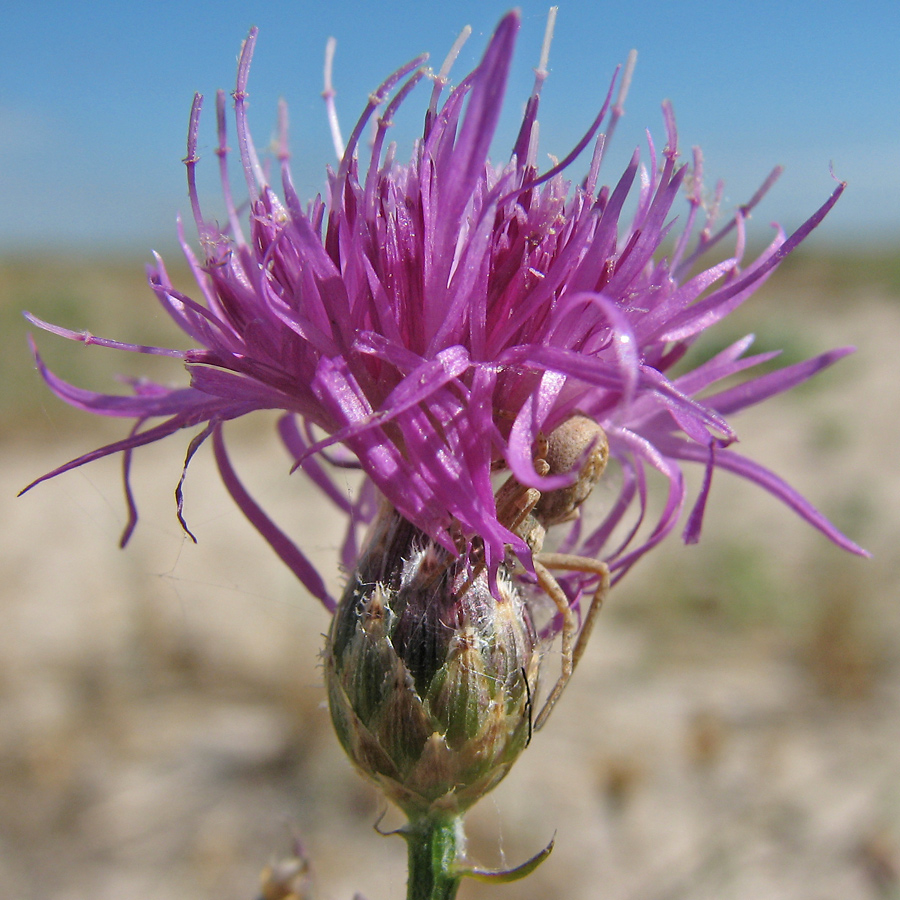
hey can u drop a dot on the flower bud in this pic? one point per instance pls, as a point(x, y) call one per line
point(429, 673)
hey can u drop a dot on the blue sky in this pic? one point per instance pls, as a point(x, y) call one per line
point(96, 96)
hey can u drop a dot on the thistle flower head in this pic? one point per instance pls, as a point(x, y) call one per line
point(430, 317)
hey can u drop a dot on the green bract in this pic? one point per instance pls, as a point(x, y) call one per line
point(430, 674)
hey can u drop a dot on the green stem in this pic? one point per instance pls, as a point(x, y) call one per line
point(433, 843)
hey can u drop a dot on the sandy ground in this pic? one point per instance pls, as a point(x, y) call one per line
point(733, 731)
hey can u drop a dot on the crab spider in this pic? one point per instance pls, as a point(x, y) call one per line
point(578, 441)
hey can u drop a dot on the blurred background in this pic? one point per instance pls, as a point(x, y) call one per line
point(733, 729)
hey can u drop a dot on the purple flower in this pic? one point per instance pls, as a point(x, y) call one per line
point(425, 321)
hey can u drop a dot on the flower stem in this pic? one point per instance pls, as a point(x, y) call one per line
point(433, 843)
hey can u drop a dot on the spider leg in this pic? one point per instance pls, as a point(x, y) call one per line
point(572, 649)
point(552, 588)
point(568, 562)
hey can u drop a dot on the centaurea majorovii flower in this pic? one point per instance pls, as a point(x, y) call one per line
point(428, 322)
point(430, 319)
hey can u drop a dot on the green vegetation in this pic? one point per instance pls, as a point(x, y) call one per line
point(106, 297)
